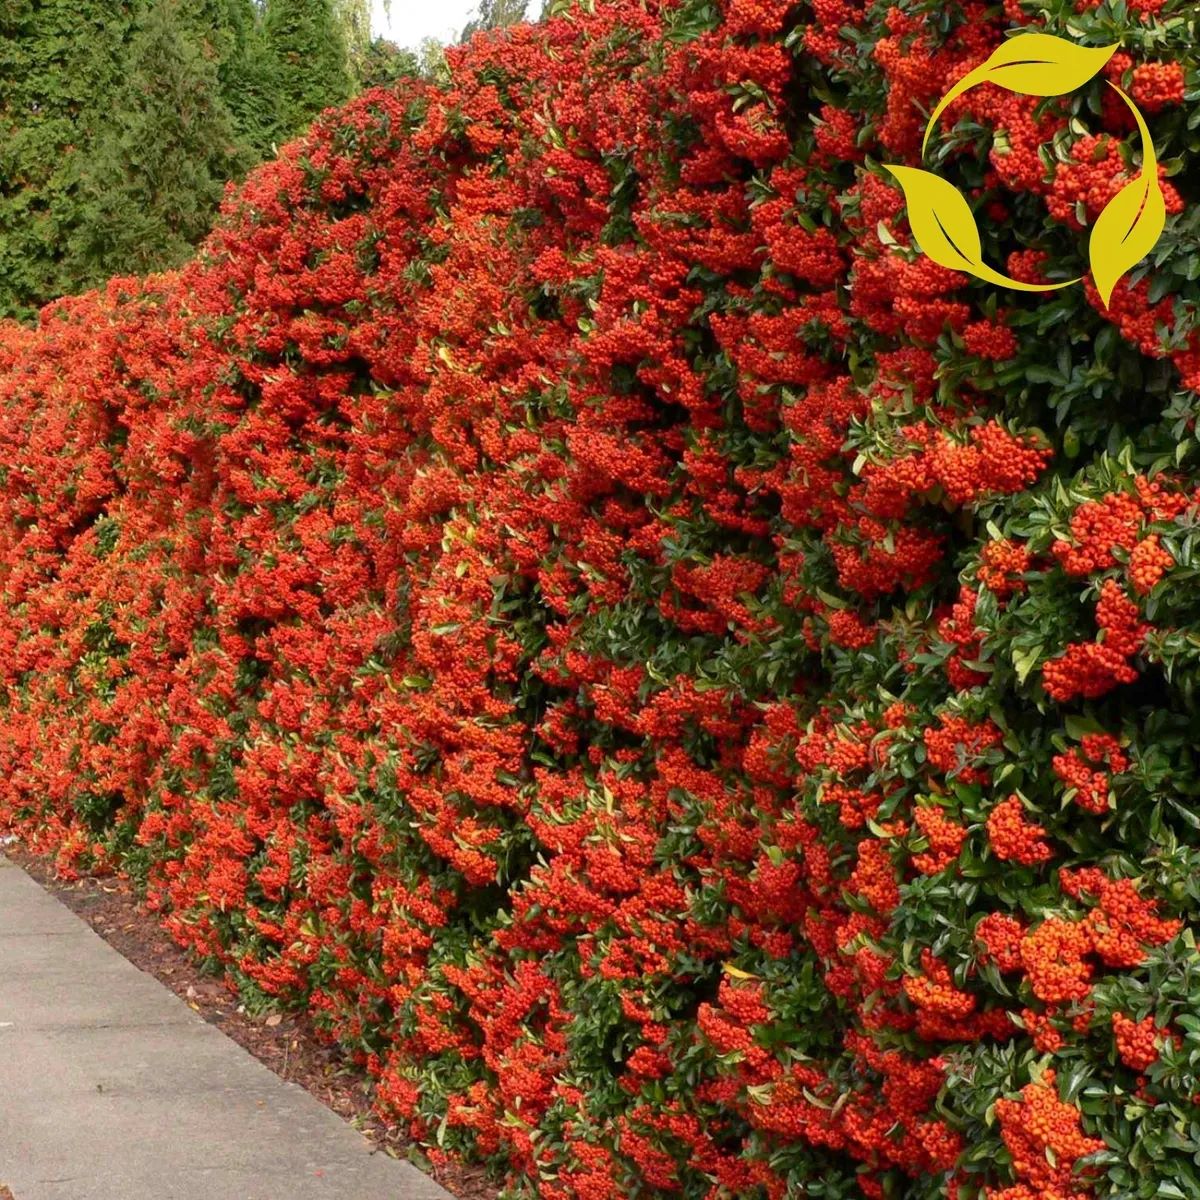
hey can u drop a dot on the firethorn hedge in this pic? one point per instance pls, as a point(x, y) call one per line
point(696, 698)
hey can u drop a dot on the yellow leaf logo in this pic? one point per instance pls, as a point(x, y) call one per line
point(941, 220)
point(945, 228)
point(1036, 64)
point(1132, 221)
point(1033, 64)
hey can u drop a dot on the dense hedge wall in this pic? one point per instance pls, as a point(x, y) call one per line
point(697, 698)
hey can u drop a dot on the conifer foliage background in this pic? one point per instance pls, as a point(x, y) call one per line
point(122, 120)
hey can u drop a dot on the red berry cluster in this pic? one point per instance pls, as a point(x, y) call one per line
point(1091, 669)
point(1013, 837)
point(1043, 1136)
point(1083, 771)
point(1137, 1041)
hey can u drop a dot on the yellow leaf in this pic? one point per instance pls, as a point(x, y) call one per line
point(941, 219)
point(945, 229)
point(737, 972)
point(1132, 221)
point(1039, 64)
point(1032, 64)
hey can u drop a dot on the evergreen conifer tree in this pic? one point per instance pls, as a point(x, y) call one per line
point(384, 63)
point(153, 181)
point(308, 48)
point(121, 120)
point(249, 83)
point(57, 57)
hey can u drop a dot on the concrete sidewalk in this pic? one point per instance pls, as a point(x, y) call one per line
point(111, 1088)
